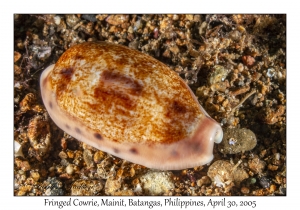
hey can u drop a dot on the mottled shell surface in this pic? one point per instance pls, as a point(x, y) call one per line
point(126, 103)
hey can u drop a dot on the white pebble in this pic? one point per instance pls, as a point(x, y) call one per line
point(18, 149)
point(271, 72)
point(277, 156)
point(70, 169)
point(57, 20)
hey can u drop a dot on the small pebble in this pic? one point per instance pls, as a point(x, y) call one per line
point(282, 190)
point(272, 167)
point(112, 185)
point(18, 150)
point(272, 188)
point(189, 17)
point(39, 136)
point(57, 20)
point(245, 190)
point(23, 164)
point(138, 189)
point(35, 176)
point(70, 154)
point(27, 102)
point(270, 116)
point(21, 193)
point(240, 67)
point(248, 60)
point(220, 86)
point(70, 169)
point(278, 179)
point(264, 182)
point(17, 56)
point(237, 140)
point(271, 72)
point(130, 29)
point(132, 172)
point(205, 180)
point(86, 187)
point(17, 71)
point(218, 75)
point(53, 187)
point(63, 155)
point(88, 158)
point(251, 181)
point(25, 189)
point(117, 19)
point(72, 20)
point(124, 193)
point(256, 165)
point(89, 17)
point(44, 53)
point(99, 156)
point(157, 182)
point(65, 176)
point(222, 173)
point(64, 162)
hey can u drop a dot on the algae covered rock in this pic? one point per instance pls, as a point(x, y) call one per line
point(236, 140)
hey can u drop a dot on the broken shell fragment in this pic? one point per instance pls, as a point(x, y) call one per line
point(126, 103)
point(39, 136)
point(18, 149)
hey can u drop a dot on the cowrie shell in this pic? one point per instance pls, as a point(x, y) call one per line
point(127, 103)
